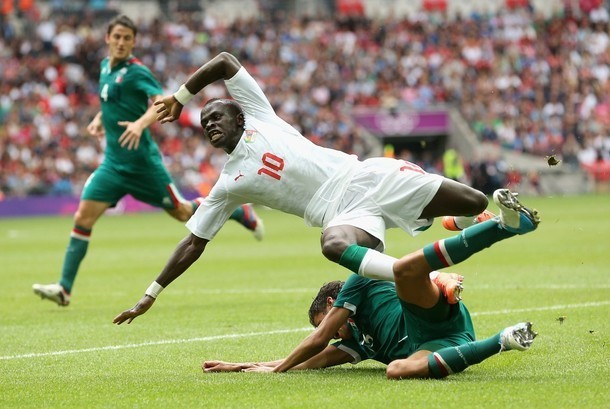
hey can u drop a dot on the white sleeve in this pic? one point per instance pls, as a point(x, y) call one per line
point(246, 91)
point(213, 212)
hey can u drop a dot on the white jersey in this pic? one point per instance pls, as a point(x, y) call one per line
point(275, 166)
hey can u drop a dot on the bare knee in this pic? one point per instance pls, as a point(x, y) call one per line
point(85, 219)
point(407, 368)
point(410, 267)
point(335, 240)
point(333, 246)
point(479, 201)
point(455, 199)
point(470, 201)
point(400, 369)
point(81, 220)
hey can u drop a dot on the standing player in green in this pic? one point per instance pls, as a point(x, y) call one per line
point(132, 161)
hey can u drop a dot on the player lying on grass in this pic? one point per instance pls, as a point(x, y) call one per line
point(354, 202)
point(419, 329)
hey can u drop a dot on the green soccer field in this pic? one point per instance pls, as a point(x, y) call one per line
point(245, 300)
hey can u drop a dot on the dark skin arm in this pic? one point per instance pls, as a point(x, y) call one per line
point(185, 254)
point(221, 67)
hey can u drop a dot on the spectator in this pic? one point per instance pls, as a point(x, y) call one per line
point(524, 82)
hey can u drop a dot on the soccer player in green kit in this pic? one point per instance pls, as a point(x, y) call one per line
point(417, 325)
point(419, 331)
point(132, 161)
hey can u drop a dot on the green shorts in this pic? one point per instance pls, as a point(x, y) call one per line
point(428, 335)
point(154, 186)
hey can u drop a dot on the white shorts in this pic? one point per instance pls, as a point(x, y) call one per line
point(387, 193)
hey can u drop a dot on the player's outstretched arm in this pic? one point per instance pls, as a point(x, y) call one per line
point(317, 341)
point(186, 253)
point(330, 356)
point(140, 308)
point(312, 353)
point(221, 67)
point(222, 366)
point(130, 138)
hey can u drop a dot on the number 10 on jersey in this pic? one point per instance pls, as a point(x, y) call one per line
point(272, 166)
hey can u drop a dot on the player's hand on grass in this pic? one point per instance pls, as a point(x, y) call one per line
point(169, 109)
point(140, 308)
point(221, 366)
point(131, 137)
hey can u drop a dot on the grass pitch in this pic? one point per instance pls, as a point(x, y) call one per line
point(245, 300)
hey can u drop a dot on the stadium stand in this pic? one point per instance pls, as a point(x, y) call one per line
point(519, 85)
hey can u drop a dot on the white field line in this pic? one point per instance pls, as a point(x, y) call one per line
point(466, 285)
point(162, 342)
point(283, 331)
point(547, 308)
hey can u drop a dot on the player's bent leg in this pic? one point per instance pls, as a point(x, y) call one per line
point(415, 366)
point(336, 240)
point(456, 199)
point(450, 360)
point(88, 212)
point(413, 282)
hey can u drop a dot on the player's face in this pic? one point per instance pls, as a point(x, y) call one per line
point(221, 126)
point(121, 41)
point(342, 333)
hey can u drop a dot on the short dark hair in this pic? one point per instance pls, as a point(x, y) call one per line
point(236, 108)
point(123, 20)
point(318, 304)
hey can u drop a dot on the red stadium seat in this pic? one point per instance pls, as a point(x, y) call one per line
point(513, 4)
point(435, 5)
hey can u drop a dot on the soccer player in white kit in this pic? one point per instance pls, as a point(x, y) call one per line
point(270, 163)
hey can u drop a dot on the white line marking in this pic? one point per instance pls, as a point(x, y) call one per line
point(281, 331)
point(537, 287)
point(548, 308)
point(162, 342)
point(467, 285)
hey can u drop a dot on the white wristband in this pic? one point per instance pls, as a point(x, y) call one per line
point(183, 95)
point(154, 289)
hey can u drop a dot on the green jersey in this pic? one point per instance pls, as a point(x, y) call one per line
point(125, 92)
point(384, 329)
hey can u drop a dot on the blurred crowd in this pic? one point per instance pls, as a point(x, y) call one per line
point(530, 84)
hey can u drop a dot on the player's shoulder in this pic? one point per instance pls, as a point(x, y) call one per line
point(135, 61)
point(355, 280)
point(135, 65)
